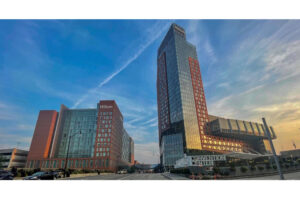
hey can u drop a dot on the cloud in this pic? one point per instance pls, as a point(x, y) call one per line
point(14, 140)
point(151, 38)
point(147, 153)
point(267, 85)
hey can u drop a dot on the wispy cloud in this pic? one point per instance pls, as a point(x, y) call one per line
point(147, 153)
point(151, 38)
point(267, 84)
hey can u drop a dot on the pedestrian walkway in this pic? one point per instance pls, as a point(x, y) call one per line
point(172, 176)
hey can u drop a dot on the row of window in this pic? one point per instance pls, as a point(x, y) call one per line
point(72, 163)
point(102, 149)
point(222, 148)
point(106, 113)
point(102, 154)
point(223, 143)
point(103, 139)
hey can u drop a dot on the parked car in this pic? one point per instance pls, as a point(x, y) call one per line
point(124, 171)
point(6, 175)
point(41, 176)
point(58, 173)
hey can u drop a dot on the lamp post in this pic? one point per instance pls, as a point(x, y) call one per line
point(273, 149)
point(68, 148)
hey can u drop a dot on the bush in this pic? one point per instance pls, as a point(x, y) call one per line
point(225, 173)
point(261, 168)
point(274, 167)
point(205, 177)
point(180, 171)
point(36, 170)
point(244, 169)
point(21, 173)
point(216, 170)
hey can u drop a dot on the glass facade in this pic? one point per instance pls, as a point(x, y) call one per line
point(182, 110)
point(172, 147)
point(78, 133)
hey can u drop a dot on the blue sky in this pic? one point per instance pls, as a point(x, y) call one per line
point(250, 69)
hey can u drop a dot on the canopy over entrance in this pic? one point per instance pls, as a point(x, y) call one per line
point(247, 156)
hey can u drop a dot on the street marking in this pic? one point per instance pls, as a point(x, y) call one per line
point(125, 177)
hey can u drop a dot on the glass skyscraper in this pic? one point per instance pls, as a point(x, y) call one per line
point(183, 119)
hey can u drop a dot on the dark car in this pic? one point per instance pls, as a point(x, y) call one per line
point(5, 175)
point(58, 173)
point(41, 176)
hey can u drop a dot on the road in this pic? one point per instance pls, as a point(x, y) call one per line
point(287, 176)
point(135, 176)
point(160, 176)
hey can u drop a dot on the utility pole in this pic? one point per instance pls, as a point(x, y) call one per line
point(273, 149)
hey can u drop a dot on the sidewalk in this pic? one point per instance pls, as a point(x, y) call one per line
point(172, 176)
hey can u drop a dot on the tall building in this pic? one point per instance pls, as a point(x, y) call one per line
point(183, 121)
point(13, 158)
point(85, 138)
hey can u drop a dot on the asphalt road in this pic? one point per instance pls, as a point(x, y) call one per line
point(135, 176)
point(287, 176)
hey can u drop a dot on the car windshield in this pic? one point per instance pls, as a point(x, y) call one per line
point(38, 173)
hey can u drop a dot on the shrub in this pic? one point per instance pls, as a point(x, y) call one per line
point(180, 171)
point(216, 170)
point(244, 169)
point(205, 177)
point(226, 173)
point(274, 167)
point(21, 173)
point(261, 168)
point(36, 170)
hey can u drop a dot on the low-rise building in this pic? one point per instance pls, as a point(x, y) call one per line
point(290, 153)
point(13, 158)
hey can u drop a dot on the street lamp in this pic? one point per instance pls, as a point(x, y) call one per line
point(273, 149)
point(68, 148)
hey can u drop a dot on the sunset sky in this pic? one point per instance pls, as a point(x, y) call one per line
point(250, 70)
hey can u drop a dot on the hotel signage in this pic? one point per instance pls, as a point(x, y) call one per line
point(105, 106)
point(199, 160)
point(206, 160)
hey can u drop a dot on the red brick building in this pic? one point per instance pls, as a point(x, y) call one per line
point(80, 139)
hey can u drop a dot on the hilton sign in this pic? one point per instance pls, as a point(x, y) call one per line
point(105, 106)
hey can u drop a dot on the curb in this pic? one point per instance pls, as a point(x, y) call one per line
point(169, 178)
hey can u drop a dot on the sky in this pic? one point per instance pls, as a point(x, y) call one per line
point(250, 70)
